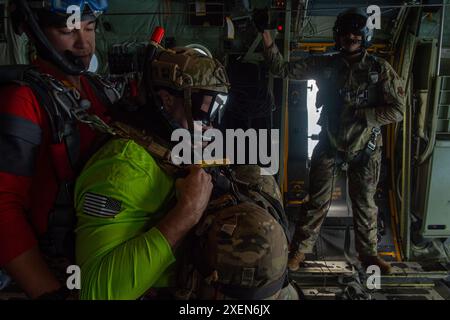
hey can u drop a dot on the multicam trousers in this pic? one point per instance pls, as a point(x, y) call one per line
point(362, 181)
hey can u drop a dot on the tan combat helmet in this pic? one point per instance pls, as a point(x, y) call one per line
point(193, 74)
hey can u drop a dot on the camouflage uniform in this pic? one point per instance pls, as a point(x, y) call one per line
point(355, 99)
point(252, 174)
point(241, 249)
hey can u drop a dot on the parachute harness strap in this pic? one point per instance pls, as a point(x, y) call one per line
point(118, 129)
point(221, 74)
point(188, 107)
point(234, 184)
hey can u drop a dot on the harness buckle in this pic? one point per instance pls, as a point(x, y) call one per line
point(362, 96)
point(376, 131)
point(344, 166)
point(372, 145)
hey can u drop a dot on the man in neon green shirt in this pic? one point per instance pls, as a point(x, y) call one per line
point(125, 234)
point(128, 236)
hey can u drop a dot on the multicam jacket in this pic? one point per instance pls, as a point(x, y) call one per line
point(355, 97)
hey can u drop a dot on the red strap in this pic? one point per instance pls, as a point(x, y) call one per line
point(133, 88)
point(61, 162)
point(16, 234)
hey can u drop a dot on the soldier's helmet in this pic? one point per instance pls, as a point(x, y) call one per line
point(241, 253)
point(192, 74)
point(353, 21)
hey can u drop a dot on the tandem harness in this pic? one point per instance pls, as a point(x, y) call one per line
point(362, 98)
point(363, 156)
point(64, 108)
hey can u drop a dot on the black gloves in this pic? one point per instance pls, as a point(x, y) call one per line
point(261, 19)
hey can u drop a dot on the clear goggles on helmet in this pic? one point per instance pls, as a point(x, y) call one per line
point(208, 107)
point(353, 24)
point(96, 6)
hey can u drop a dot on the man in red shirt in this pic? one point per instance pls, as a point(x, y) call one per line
point(33, 142)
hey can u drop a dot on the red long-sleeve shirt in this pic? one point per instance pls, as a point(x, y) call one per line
point(26, 199)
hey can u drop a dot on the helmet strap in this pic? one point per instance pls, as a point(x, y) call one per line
point(74, 59)
point(345, 52)
point(360, 51)
point(188, 108)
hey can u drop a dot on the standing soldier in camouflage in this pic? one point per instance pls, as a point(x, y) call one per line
point(359, 93)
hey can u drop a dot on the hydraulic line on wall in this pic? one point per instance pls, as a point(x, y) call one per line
point(398, 26)
point(300, 18)
point(404, 58)
point(435, 101)
point(283, 178)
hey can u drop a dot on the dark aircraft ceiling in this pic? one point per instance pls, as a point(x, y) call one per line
point(322, 14)
point(332, 8)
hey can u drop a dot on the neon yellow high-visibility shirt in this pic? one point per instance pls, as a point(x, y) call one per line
point(120, 197)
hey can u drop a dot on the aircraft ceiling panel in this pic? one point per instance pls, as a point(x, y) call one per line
point(322, 15)
point(332, 7)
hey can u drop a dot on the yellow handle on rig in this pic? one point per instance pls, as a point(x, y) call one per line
point(214, 163)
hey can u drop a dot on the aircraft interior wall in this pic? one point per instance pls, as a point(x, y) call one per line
point(414, 187)
point(131, 22)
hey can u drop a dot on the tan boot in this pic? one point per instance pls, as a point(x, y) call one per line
point(295, 260)
point(367, 261)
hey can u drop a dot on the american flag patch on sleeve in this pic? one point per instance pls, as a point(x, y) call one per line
point(101, 206)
